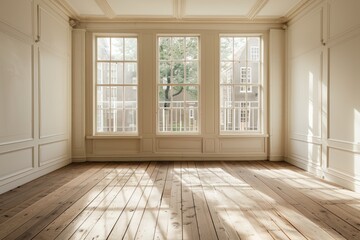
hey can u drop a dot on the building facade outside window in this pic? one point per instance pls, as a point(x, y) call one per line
point(116, 85)
point(178, 84)
point(240, 84)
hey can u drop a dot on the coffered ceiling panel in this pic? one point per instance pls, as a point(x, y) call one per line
point(85, 7)
point(277, 8)
point(142, 7)
point(217, 7)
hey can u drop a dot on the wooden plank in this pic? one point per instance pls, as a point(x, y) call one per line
point(163, 219)
point(68, 217)
point(147, 225)
point(135, 205)
point(51, 201)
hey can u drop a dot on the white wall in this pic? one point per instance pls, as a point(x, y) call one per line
point(323, 91)
point(34, 91)
point(209, 145)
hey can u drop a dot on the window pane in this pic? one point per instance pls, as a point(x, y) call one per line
point(192, 93)
point(164, 48)
point(226, 48)
point(226, 72)
point(117, 48)
point(226, 96)
point(165, 72)
point(119, 122)
point(103, 48)
point(240, 49)
point(192, 48)
point(130, 120)
point(253, 49)
point(103, 73)
point(117, 73)
point(191, 72)
point(103, 97)
point(178, 72)
point(130, 97)
point(254, 72)
point(178, 48)
point(130, 49)
point(117, 97)
point(130, 73)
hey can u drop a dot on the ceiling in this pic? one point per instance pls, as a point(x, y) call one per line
point(183, 10)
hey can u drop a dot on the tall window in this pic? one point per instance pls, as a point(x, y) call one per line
point(240, 84)
point(178, 84)
point(116, 85)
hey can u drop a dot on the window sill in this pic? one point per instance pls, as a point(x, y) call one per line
point(99, 137)
point(244, 135)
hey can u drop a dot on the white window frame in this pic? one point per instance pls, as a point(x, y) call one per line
point(158, 84)
point(95, 84)
point(260, 85)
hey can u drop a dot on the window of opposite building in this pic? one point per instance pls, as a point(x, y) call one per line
point(116, 85)
point(178, 84)
point(240, 84)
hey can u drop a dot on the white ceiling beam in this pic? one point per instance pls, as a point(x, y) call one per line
point(256, 8)
point(106, 8)
point(178, 9)
point(297, 8)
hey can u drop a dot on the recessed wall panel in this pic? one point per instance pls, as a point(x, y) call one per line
point(115, 146)
point(305, 151)
point(344, 162)
point(306, 94)
point(15, 90)
point(344, 87)
point(52, 152)
point(242, 145)
point(53, 94)
point(54, 31)
point(344, 15)
point(18, 14)
point(16, 162)
point(305, 34)
point(184, 145)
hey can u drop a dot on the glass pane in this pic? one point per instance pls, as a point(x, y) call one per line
point(255, 72)
point(226, 96)
point(103, 48)
point(226, 73)
point(103, 120)
point(178, 72)
point(131, 49)
point(119, 120)
point(192, 94)
point(130, 97)
point(117, 49)
point(103, 73)
point(164, 48)
point(164, 120)
point(164, 96)
point(192, 48)
point(253, 96)
point(165, 73)
point(177, 119)
point(191, 72)
point(226, 48)
point(103, 97)
point(178, 48)
point(117, 73)
point(253, 48)
point(191, 116)
point(130, 73)
point(130, 120)
point(240, 48)
point(222, 120)
point(240, 93)
point(242, 73)
point(117, 97)
point(177, 96)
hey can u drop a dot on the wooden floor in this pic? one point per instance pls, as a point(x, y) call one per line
point(179, 200)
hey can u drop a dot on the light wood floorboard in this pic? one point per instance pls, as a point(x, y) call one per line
point(180, 200)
